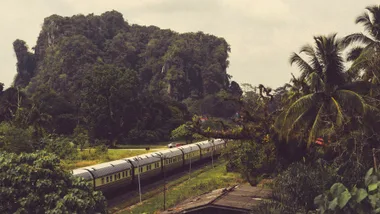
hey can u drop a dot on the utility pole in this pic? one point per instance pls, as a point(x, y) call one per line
point(191, 155)
point(164, 186)
point(163, 158)
point(212, 154)
point(138, 175)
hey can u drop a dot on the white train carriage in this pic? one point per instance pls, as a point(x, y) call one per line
point(112, 174)
point(207, 149)
point(147, 165)
point(219, 144)
point(85, 174)
point(172, 159)
point(192, 153)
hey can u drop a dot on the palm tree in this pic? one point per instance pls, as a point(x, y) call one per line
point(364, 56)
point(331, 99)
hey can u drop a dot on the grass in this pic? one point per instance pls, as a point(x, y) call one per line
point(202, 181)
point(89, 157)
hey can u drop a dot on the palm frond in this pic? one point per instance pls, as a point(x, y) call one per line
point(314, 62)
point(356, 38)
point(315, 82)
point(365, 20)
point(350, 100)
point(302, 121)
point(360, 87)
point(305, 68)
point(339, 112)
point(317, 125)
point(354, 53)
point(297, 108)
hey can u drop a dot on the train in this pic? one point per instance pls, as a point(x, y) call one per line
point(113, 175)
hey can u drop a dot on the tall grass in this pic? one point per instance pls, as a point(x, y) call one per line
point(202, 181)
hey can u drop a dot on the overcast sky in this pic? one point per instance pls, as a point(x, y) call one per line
point(262, 33)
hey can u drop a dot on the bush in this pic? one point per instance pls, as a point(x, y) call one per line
point(62, 147)
point(36, 183)
point(252, 160)
point(359, 200)
point(298, 185)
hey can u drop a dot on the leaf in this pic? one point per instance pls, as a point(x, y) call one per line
point(344, 198)
point(337, 189)
point(360, 194)
point(367, 176)
point(333, 204)
point(319, 200)
point(372, 199)
point(372, 187)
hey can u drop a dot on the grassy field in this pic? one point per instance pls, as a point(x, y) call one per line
point(202, 181)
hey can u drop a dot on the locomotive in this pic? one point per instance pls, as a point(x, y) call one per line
point(112, 175)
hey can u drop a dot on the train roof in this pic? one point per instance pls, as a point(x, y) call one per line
point(205, 144)
point(218, 141)
point(82, 173)
point(144, 159)
point(189, 148)
point(107, 168)
point(168, 153)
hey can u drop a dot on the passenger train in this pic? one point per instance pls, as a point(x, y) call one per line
point(126, 172)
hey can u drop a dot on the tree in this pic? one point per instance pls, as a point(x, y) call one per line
point(35, 183)
point(15, 139)
point(183, 131)
point(333, 98)
point(365, 55)
point(80, 137)
point(370, 21)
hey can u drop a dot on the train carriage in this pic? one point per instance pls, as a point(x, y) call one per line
point(111, 174)
point(219, 144)
point(147, 165)
point(85, 174)
point(207, 149)
point(172, 159)
point(192, 153)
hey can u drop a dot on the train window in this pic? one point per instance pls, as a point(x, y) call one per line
point(118, 175)
point(102, 180)
point(107, 180)
point(111, 178)
point(123, 175)
point(140, 169)
point(115, 177)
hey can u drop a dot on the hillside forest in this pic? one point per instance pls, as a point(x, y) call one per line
point(100, 81)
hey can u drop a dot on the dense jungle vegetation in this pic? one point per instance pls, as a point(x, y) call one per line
point(98, 81)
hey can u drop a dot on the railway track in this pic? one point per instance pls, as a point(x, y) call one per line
point(130, 195)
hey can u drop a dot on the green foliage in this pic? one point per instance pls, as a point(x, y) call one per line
point(61, 146)
point(299, 184)
point(80, 137)
point(35, 183)
point(250, 159)
point(14, 139)
point(359, 200)
point(183, 132)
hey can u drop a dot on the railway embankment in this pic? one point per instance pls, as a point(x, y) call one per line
point(200, 181)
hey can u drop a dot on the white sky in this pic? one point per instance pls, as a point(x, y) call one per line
point(262, 33)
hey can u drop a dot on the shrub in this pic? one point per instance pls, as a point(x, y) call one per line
point(252, 160)
point(359, 200)
point(299, 184)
